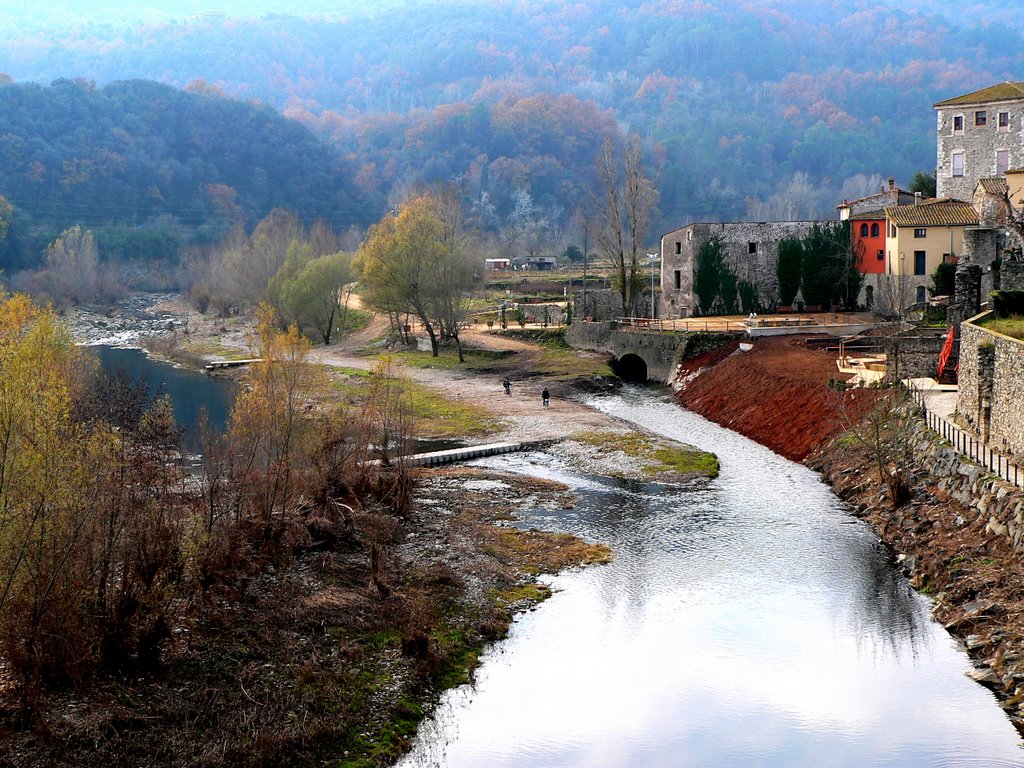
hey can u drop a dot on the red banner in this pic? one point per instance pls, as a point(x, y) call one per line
point(947, 349)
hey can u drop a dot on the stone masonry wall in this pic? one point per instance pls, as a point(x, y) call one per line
point(979, 145)
point(915, 356)
point(982, 350)
point(972, 485)
point(757, 268)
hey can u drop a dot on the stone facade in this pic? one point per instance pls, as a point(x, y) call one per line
point(603, 305)
point(657, 349)
point(1012, 276)
point(991, 397)
point(751, 251)
point(915, 356)
point(971, 139)
point(983, 246)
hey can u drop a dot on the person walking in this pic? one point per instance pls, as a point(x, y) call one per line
point(507, 385)
point(545, 396)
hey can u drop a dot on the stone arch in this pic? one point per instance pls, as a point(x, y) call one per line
point(630, 367)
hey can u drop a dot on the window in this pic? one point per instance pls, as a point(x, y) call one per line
point(919, 263)
point(920, 294)
point(1003, 122)
point(921, 232)
point(958, 124)
point(881, 254)
point(864, 230)
point(679, 279)
point(981, 117)
point(751, 247)
point(679, 247)
point(1002, 161)
point(874, 229)
point(958, 163)
point(892, 230)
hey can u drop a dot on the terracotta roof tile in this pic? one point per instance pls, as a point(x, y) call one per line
point(1002, 92)
point(941, 211)
point(994, 185)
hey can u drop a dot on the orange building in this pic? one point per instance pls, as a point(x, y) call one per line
point(867, 230)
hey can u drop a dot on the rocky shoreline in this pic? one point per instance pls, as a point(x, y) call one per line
point(125, 324)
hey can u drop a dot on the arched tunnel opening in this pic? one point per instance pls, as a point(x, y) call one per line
point(630, 367)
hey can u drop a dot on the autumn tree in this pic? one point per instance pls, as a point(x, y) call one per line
point(316, 298)
point(267, 433)
point(623, 207)
point(73, 262)
point(415, 262)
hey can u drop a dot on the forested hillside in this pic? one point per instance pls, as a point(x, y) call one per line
point(149, 168)
point(748, 109)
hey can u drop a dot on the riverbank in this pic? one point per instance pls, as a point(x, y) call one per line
point(307, 659)
point(778, 394)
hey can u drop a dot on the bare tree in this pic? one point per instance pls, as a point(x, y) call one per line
point(624, 208)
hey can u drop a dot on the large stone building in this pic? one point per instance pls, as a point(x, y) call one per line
point(751, 251)
point(979, 135)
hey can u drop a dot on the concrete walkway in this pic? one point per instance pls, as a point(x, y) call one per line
point(939, 399)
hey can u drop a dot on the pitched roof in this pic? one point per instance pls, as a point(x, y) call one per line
point(1002, 92)
point(995, 185)
point(939, 211)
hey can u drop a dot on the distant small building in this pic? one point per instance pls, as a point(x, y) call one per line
point(542, 263)
point(497, 265)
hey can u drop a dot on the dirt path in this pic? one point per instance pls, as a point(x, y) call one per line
point(522, 413)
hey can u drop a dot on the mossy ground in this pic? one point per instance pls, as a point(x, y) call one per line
point(1012, 326)
point(658, 459)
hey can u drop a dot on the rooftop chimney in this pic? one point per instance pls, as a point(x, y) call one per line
point(892, 183)
point(917, 198)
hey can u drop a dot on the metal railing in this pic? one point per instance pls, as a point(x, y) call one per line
point(970, 446)
point(693, 324)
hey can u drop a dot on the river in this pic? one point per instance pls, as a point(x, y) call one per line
point(190, 391)
point(748, 622)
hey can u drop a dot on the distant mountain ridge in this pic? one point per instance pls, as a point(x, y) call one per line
point(151, 168)
point(749, 109)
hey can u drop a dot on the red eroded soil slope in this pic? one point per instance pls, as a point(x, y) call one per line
point(776, 394)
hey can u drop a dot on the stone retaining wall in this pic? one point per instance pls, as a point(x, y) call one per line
point(972, 485)
point(991, 397)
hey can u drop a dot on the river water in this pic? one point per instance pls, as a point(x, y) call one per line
point(748, 622)
point(191, 392)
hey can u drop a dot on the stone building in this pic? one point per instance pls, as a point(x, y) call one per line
point(751, 251)
point(979, 135)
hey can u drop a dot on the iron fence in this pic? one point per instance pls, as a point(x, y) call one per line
point(970, 446)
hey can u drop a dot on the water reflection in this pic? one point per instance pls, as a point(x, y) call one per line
point(744, 623)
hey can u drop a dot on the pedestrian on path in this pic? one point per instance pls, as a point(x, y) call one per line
point(544, 396)
point(507, 385)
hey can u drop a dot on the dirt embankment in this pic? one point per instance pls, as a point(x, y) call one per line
point(776, 393)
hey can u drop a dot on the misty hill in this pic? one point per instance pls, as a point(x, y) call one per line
point(150, 168)
point(773, 109)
